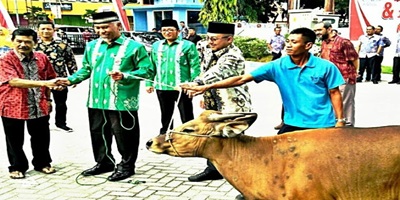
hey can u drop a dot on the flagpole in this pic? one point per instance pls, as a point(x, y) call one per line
point(16, 12)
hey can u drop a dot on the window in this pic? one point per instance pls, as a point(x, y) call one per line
point(193, 21)
point(160, 15)
point(148, 2)
point(193, 16)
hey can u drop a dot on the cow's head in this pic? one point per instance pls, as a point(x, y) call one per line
point(186, 139)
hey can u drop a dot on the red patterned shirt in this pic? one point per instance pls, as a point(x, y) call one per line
point(24, 103)
point(341, 52)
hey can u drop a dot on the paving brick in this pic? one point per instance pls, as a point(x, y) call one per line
point(145, 193)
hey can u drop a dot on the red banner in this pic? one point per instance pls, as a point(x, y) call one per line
point(374, 12)
point(5, 19)
point(121, 14)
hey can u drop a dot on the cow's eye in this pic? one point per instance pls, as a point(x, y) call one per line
point(188, 130)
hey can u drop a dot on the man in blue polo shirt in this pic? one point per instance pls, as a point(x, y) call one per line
point(309, 85)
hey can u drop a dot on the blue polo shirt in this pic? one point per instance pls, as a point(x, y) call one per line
point(304, 91)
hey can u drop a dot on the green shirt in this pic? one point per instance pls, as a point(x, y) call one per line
point(124, 55)
point(175, 63)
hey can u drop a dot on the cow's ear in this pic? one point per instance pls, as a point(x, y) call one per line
point(233, 129)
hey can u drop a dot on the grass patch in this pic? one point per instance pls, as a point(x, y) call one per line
point(386, 70)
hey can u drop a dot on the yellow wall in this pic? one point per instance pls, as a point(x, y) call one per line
point(78, 8)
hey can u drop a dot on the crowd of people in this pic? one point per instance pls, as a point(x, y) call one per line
point(39, 68)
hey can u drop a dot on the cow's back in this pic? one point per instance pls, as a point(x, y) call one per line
point(338, 163)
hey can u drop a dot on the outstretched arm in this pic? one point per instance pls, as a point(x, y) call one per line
point(192, 90)
point(24, 83)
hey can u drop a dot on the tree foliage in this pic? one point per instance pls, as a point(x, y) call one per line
point(252, 10)
point(32, 15)
point(88, 14)
point(218, 10)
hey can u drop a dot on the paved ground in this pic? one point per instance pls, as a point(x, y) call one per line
point(165, 177)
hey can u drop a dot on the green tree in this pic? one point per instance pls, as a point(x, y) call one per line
point(33, 15)
point(252, 10)
point(88, 15)
point(218, 10)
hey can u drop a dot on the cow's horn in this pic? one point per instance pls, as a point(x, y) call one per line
point(219, 117)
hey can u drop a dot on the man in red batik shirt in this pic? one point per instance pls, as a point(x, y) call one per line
point(24, 97)
point(342, 53)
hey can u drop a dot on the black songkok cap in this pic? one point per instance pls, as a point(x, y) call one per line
point(104, 17)
point(217, 27)
point(169, 22)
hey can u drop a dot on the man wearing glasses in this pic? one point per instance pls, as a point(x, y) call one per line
point(221, 60)
point(176, 61)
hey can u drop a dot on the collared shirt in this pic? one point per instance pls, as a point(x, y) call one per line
point(369, 45)
point(61, 56)
point(304, 90)
point(124, 55)
point(397, 54)
point(185, 32)
point(220, 65)
point(201, 47)
point(277, 43)
point(175, 63)
point(341, 52)
point(386, 42)
point(24, 103)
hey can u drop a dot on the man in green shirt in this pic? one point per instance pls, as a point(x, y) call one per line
point(176, 61)
point(115, 64)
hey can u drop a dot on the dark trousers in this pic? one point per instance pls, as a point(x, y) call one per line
point(167, 99)
point(396, 69)
point(60, 101)
point(276, 55)
point(287, 128)
point(39, 131)
point(366, 64)
point(124, 125)
point(376, 68)
point(211, 168)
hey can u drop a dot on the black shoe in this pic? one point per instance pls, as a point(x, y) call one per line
point(204, 176)
point(65, 128)
point(120, 175)
point(98, 169)
point(375, 82)
point(398, 83)
point(239, 197)
point(359, 80)
point(392, 82)
point(279, 126)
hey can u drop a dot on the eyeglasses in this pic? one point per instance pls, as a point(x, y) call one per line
point(168, 30)
point(213, 39)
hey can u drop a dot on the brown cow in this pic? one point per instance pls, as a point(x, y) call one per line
point(334, 163)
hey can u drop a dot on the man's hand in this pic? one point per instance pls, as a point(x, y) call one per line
point(150, 89)
point(50, 106)
point(192, 89)
point(52, 84)
point(202, 106)
point(116, 75)
point(62, 82)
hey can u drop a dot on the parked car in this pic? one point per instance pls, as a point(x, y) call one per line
point(146, 38)
point(73, 35)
